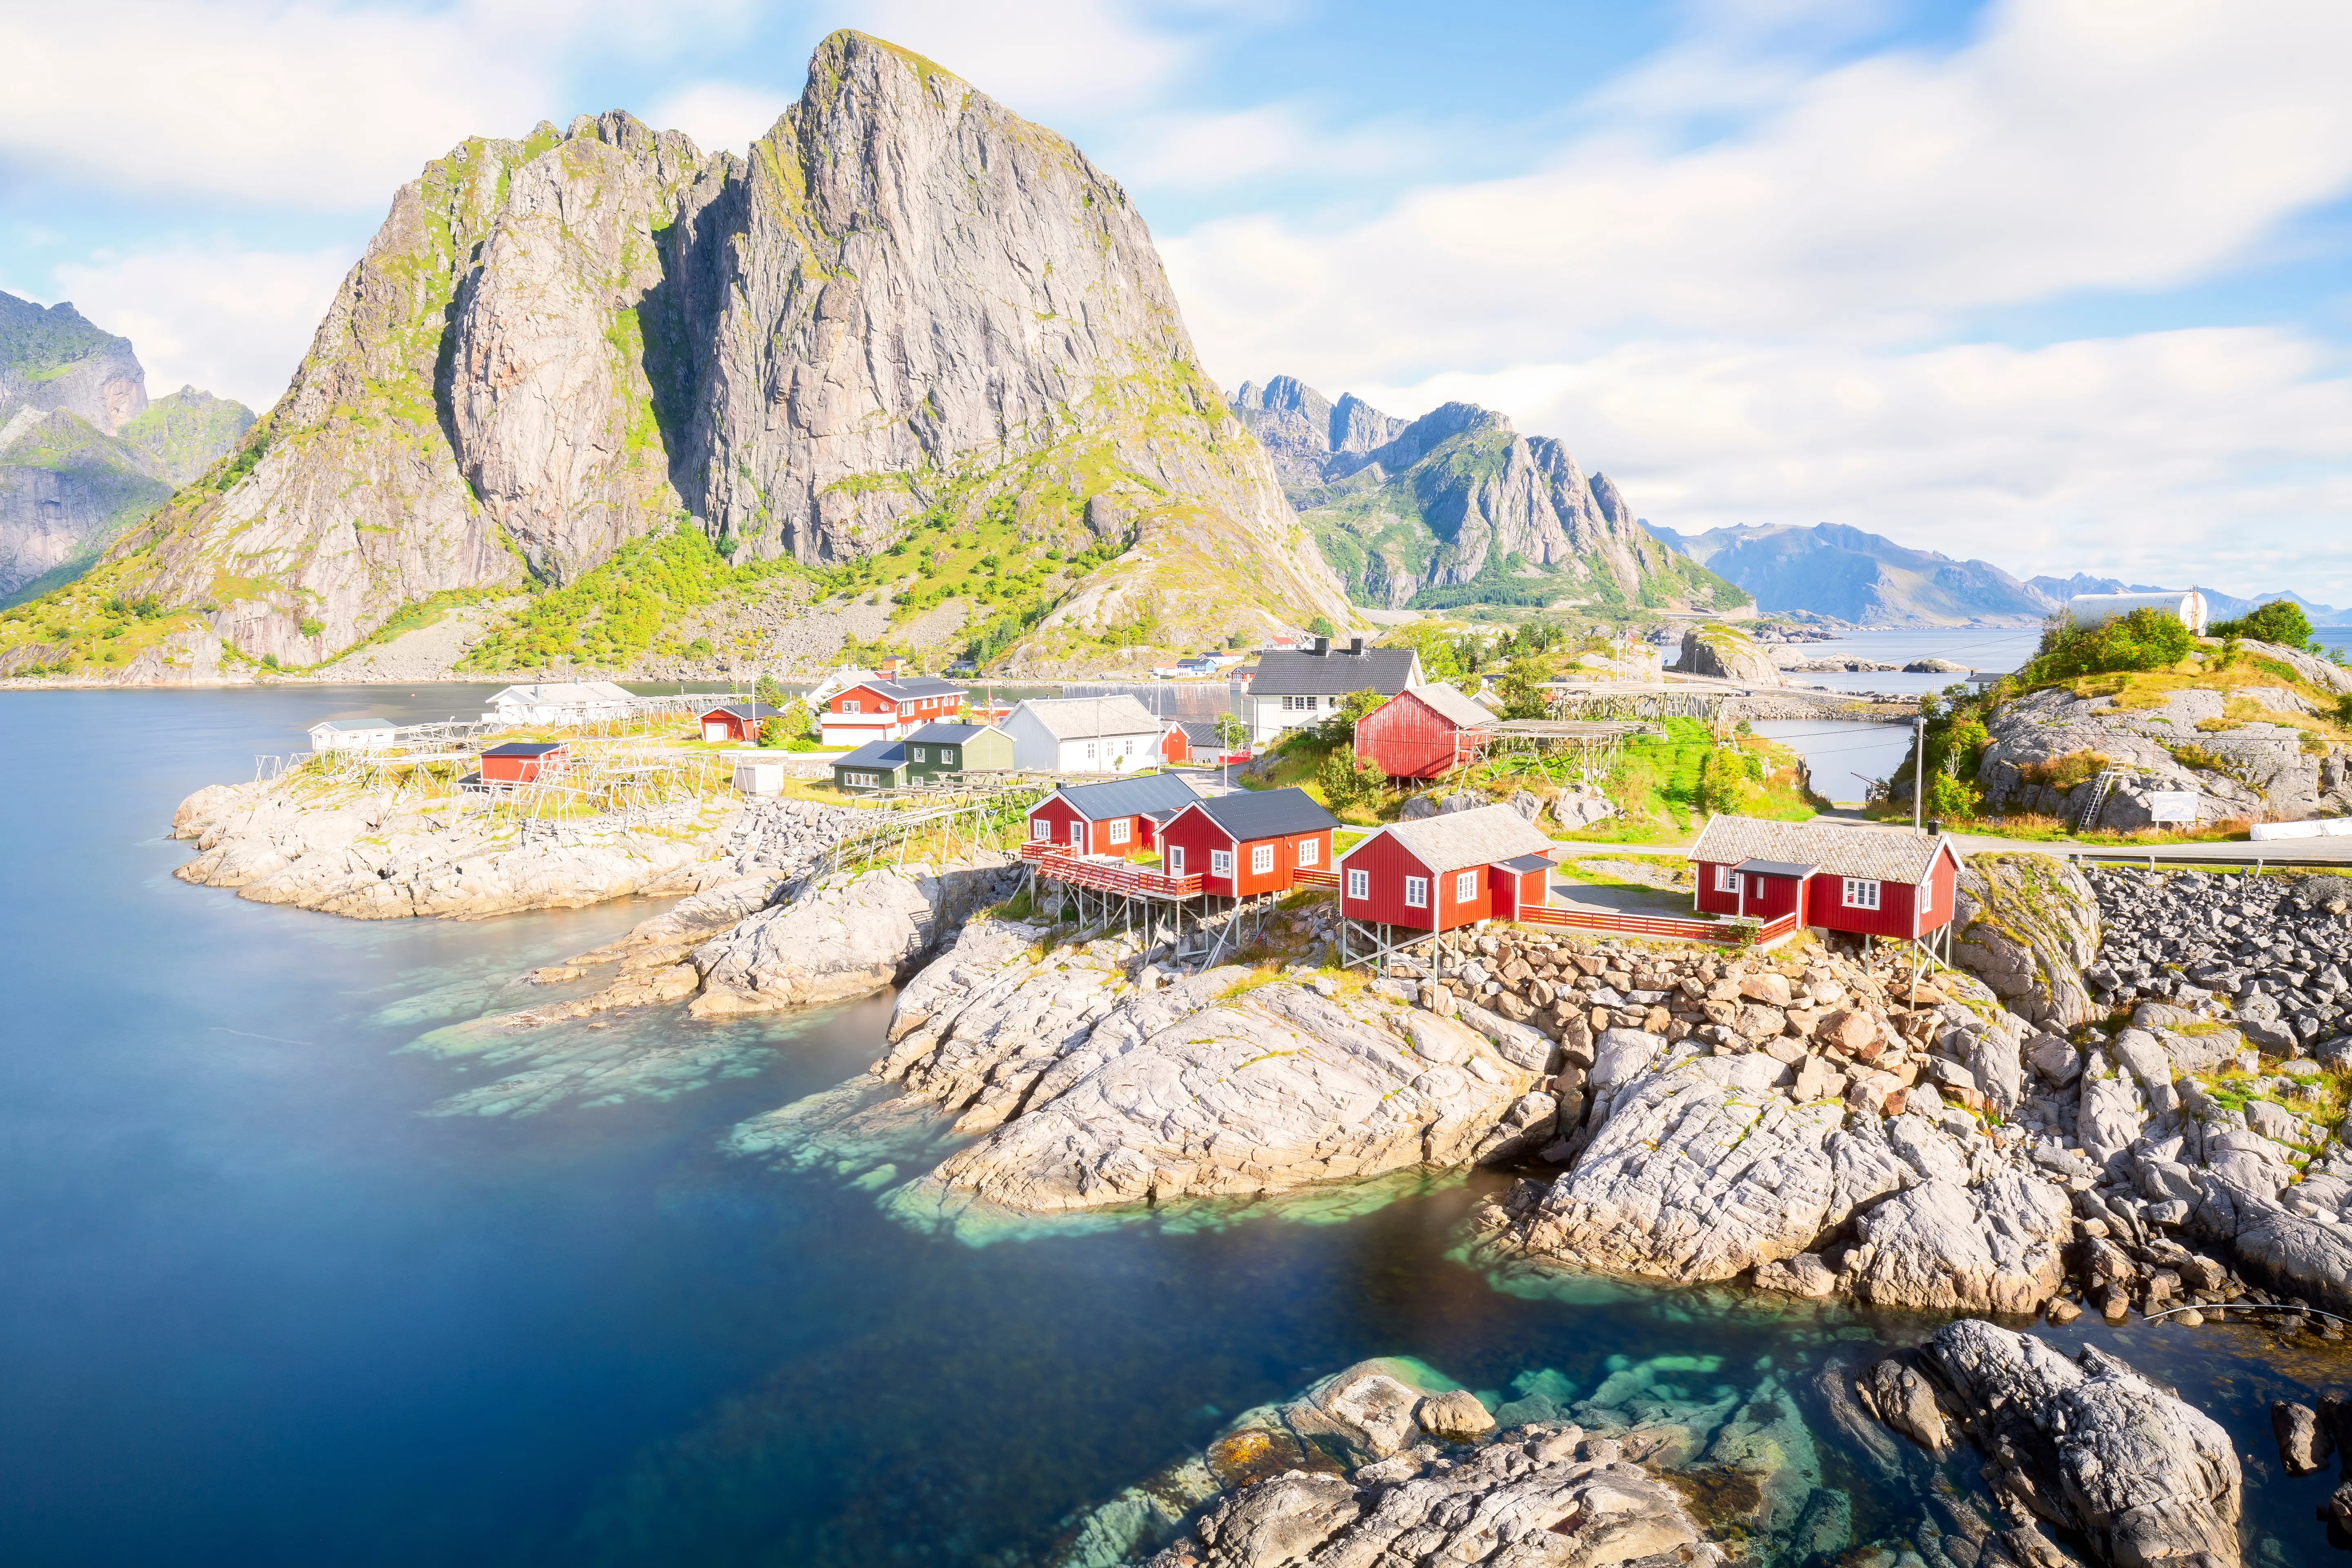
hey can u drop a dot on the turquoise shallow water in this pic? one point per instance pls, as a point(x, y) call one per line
point(284, 1280)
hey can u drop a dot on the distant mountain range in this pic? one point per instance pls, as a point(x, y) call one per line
point(83, 453)
point(1844, 574)
point(1458, 508)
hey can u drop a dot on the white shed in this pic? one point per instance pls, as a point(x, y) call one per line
point(1083, 734)
point(558, 702)
point(2097, 609)
point(353, 735)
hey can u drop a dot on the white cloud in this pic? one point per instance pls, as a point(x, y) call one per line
point(2221, 456)
point(1213, 150)
point(1042, 58)
point(720, 116)
point(231, 321)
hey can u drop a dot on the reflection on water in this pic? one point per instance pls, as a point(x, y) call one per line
point(268, 1301)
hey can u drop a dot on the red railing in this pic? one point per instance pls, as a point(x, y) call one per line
point(1055, 860)
point(1317, 878)
point(1721, 932)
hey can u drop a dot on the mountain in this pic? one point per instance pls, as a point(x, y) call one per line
point(907, 308)
point(2219, 605)
point(1830, 569)
point(1458, 508)
point(83, 453)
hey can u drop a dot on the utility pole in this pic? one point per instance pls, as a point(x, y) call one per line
point(1918, 768)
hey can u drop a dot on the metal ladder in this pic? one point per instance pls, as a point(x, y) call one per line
point(2101, 787)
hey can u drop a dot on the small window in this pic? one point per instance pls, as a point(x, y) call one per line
point(921, 755)
point(1465, 887)
point(1416, 892)
point(1221, 862)
point(1310, 850)
point(1175, 860)
point(948, 756)
point(1261, 860)
point(1360, 884)
point(1727, 879)
point(1119, 830)
point(1861, 893)
point(1041, 830)
point(849, 705)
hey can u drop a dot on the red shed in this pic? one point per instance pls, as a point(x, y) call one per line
point(524, 762)
point(1176, 745)
point(1865, 881)
point(1440, 872)
point(1118, 817)
point(736, 721)
point(1249, 842)
point(1423, 732)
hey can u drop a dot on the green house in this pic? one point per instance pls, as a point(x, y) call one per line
point(877, 764)
point(939, 749)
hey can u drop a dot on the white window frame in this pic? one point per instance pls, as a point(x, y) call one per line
point(849, 705)
point(1221, 862)
point(1726, 878)
point(1041, 830)
point(1416, 892)
point(1465, 887)
point(1861, 893)
point(1121, 829)
point(1360, 884)
point(947, 756)
point(1261, 860)
point(921, 755)
point(1079, 833)
point(1175, 860)
point(1310, 851)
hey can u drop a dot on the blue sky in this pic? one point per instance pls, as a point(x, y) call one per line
point(2059, 283)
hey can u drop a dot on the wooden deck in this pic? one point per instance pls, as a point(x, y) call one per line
point(1722, 934)
point(1106, 876)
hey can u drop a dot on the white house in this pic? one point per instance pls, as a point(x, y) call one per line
point(1303, 687)
point(353, 735)
point(2095, 609)
point(1083, 734)
point(558, 702)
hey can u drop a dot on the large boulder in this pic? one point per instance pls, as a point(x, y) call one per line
point(1727, 653)
point(2026, 924)
point(848, 939)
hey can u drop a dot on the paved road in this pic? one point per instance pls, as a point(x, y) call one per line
point(2315, 852)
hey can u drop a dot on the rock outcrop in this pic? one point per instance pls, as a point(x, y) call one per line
point(1725, 653)
point(1457, 498)
point(906, 301)
point(2026, 925)
point(2088, 1445)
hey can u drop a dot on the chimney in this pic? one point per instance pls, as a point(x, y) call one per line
point(1356, 647)
point(1322, 646)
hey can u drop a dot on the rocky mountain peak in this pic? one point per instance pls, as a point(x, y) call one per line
point(52, 358)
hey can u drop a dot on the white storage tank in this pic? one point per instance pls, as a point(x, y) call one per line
point(2097, 609)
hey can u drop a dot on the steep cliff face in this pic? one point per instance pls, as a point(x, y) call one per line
point(1458, 508)
point(907, 304)
point(51, 359)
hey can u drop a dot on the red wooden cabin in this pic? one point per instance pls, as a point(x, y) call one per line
point(1425, 732)
point(524, 762)
point(1118, 817)
point(1865, 882)
point(736, 721)
point(1247, 843)
point(887, 709)
point(1440, 872)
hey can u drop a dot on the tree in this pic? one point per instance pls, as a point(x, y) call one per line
point(1232, 733)
point(2281, 621)
point(1321, 627)
point(791, 723)
point(1340, 728)
point(2144, 639)
point(1521, 684)
point(1346, 781)
point(769, 691)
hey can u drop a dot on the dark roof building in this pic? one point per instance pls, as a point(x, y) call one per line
point(1140, 796)
point(1336, 673)
point(1267, 813)
point(524, 749)
point(913, 687)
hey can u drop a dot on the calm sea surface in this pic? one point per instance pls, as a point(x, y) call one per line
point(291, 1274)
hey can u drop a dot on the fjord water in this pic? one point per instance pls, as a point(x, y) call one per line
point(277, 1287)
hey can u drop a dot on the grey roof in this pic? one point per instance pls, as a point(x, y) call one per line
point(948, 735)
point(1800, 870)
point(1199, 731)
point(1485, 836)
point(1387, 670)
point(524, 749)
point(1882, 854)
point(875, 754)
point(1267, 813)
point(744, 710)
point(1450, 702)
point(1138, 796)
point(1083, 718)
point(913, 685)
point(1526, 863)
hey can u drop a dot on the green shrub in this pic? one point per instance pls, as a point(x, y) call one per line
point(2144, 639)
point(2281, 621)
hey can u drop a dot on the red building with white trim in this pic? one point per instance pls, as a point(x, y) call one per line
point(1425, 732)
point(1893, 882)
point(1118, 817)
point(1249, 842)
point(524, 762)
point(880, 710)
point(1439, 873)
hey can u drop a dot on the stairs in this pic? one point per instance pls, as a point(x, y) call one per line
point(2097, 801)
